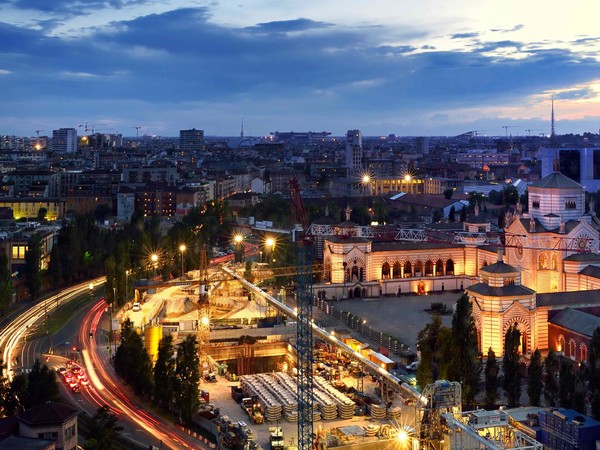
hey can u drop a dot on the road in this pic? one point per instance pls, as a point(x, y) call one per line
point(105, 388)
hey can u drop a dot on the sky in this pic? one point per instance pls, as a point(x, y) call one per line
point(426, 67)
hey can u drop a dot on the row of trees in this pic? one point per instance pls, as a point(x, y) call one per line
point(451, 353)
point(172, 383)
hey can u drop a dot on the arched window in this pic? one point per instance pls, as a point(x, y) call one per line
point(583, 353)
point(543, 261)
point(439, 267)
point(419, 269)
point(355, 274)
point(397, 273)
point(572, 349)
point(554, 262)
point(509, 281)
point(429, 268)
point(407, 269)
point(385, 271)
point(450, 267)
point(561, 344)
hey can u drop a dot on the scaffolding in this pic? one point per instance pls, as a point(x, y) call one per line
point(441, 397)
point(489, 430)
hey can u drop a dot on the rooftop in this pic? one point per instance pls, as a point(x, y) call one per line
point(556, 180)
point(48, 413)
point(569, 298)
point(502, 291)
point(579, 321)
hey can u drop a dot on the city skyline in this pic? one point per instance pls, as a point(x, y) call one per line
point(310, 66)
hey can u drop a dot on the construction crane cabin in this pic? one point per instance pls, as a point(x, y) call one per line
point(304, 334)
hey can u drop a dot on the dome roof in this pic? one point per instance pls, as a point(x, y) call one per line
point(556, 180)
point(499, 267)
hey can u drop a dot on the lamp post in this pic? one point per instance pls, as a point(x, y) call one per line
point(126, 276)
point(238, 240)
point(182, 249)
point(270, 245)
point(154, 259)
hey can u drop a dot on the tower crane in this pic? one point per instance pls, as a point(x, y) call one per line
point(137, 131)
point(304, 328)
point(530, 130)
point(203, 308)
point(506, 127)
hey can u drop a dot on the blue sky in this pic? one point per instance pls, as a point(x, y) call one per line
point(382, 66)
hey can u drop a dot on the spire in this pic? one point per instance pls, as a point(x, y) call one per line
point(552, 129)
point(242, 130)
point(555, 162)
point(348, 211)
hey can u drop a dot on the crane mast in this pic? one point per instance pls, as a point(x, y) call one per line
point(304, 344)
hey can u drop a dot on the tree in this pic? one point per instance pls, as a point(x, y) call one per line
point(103, 430)
point(511, 366)
point(430, 345)
point(41, 385)
point(534, 380)
point(566, 380)
point(132, 361)
point(41, 214)
point(4, 390)
point(33, 274)
point(465, 363)
point(187, 378)
point(6, 284)
point(164, 374)
point(511, 195)
point(452, 214)
point(551, 365)
point(491, 378)
point(437, 216)
point(463, 214)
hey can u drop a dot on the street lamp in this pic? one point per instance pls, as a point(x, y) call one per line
point(126, 276)
point(154, 259)
point(270, 245)
point(182, 249)
point(238, 239)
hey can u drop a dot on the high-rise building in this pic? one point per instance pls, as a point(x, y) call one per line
point(64, 140)
point(354, 151)
point(191, 140)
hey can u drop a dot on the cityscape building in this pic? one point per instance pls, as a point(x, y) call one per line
point(354, 151)
point(64, 140)
point(191, 140)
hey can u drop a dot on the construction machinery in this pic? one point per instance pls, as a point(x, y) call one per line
point(304, 330)
point(276, 439)
point(440, 397)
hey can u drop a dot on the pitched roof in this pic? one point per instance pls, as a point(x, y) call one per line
point(578, 321)
point(499, 267)
point(502, 291)
point(407, 245)
point(539, 228)
point(592, 257)
point(556, 180)
point(48, 413)
point(591, 271)
point(569, 298)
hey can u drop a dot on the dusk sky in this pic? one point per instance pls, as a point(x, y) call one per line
point(426, 67)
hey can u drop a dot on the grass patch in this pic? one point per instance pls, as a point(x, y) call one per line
point(59, 317)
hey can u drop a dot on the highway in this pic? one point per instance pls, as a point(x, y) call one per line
point(105, 388)
point(14, 350)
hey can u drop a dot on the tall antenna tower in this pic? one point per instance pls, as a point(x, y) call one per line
point(242, 130)
point(552, 130)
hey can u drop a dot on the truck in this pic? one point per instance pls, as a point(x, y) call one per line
point(253, 409)
point(276, 438)
point(237, 393)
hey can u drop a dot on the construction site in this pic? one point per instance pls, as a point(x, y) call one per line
point(272, 377)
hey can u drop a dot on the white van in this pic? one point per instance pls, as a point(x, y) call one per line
point(137, 306)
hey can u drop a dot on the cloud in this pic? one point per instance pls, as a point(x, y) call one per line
point(318, 73)
point(577, 94)
point(287, 26)
point(4, 72)
point(464, 35)
point(508, 30)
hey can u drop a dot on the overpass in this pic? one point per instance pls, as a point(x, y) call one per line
point(372, 367)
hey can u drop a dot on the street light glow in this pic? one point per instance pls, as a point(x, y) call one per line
point(402, 436)
point(366, 179)
point(154, 257)
point(182, 248)
point(270, 242)
point(204, 320)
point(238, 238)
point(407, 177)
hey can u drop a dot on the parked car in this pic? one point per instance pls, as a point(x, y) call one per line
point(413, 366)
point(137, 306)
